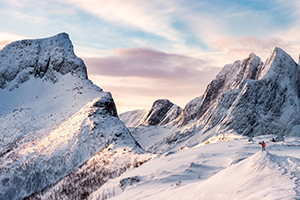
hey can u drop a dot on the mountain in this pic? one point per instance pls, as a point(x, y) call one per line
point(162, 112)
point(56, 126)
point(247, 97)
point(61, 137)
point(189, 112)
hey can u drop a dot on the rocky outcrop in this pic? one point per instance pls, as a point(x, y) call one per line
point(230, 77)
point(171, 115)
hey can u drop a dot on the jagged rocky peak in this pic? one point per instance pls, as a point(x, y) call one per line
point(56, 124)
point(162, 111)
point(279, 64)
point(41, 58)
point(267, 105)
point(230, 77)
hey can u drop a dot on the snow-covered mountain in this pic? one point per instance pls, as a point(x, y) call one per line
point(161, 113)
point(61, 138)
point(247, 97)
point(56, 126)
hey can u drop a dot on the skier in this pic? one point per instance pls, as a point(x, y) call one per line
point(263, 146)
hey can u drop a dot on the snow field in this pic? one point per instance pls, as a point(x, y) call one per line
point(235, 169)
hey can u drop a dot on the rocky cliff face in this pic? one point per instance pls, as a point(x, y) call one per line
point(55, 124)
point(230, 77)
point(189, 112)
point(269, 104)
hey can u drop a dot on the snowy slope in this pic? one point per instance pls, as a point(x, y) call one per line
point(234, 169)
point(54, 121)
point(132, 118)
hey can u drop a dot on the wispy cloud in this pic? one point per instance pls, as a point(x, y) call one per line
point(150, 16)
point(148, 74)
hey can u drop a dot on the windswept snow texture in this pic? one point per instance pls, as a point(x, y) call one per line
point(234, 169)
point(247, 97)
point(54, 120)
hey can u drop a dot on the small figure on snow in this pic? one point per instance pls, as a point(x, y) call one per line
point(263, 146)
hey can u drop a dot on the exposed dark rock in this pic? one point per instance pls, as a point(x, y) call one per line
point(157, 113)
point(107, 103)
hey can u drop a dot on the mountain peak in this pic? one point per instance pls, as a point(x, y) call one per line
point(278, 65)
point(46, 58)
point(162, 112)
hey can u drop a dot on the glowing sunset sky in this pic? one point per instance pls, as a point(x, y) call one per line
point(142, 50)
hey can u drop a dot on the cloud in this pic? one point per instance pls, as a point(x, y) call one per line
point(147, 63)
point(238, 48)
point(138, 76)
point(248, 44)
point(152, 17)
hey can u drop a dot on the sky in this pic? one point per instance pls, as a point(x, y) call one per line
point(142, 50)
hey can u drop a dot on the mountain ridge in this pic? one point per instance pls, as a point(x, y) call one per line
point(247, 97)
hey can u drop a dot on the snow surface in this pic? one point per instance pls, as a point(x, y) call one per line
point(233, 169)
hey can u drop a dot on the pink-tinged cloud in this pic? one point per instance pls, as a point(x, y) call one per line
point(148, 63)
